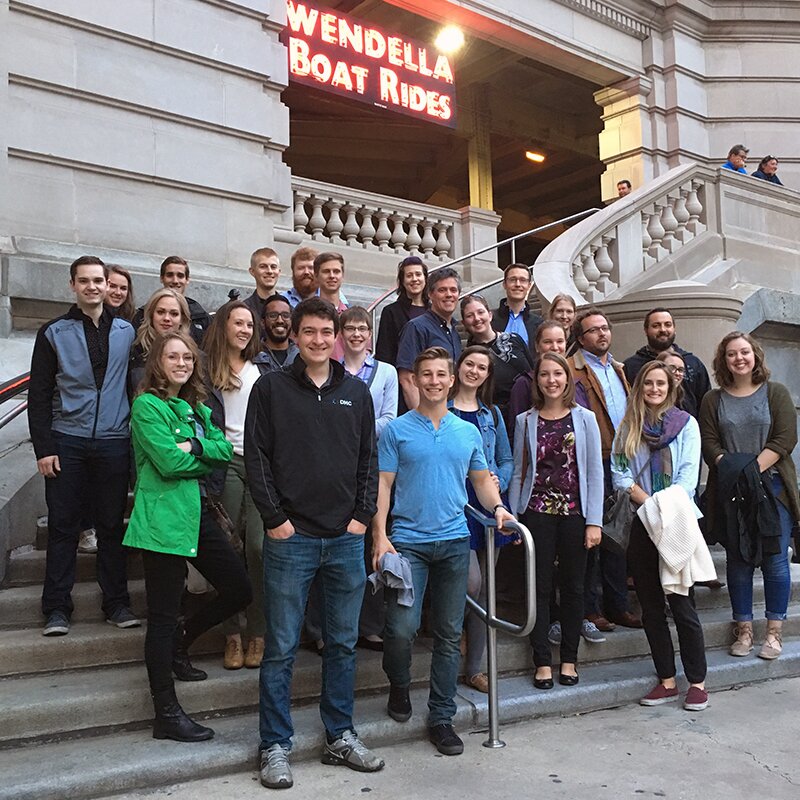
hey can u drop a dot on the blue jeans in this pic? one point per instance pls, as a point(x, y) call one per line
point(446, 565)
point(775, 570)
point(289, 567)
point(97, 469)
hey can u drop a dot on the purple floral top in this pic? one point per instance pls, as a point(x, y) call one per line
point(555, 490)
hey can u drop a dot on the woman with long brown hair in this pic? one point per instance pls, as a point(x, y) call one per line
point(657, 446)
point(750, 415)
point(176, 446)
point(233, 365)
point(557, 488)
point(119, 295)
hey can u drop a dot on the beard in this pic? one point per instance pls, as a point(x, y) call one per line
point(272, 338)
point(661, 343)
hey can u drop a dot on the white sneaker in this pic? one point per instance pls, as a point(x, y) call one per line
point(88, 541)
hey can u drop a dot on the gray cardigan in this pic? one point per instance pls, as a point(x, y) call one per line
point(588, 454)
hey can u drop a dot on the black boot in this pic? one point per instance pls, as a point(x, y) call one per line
point(181, 666)
point(172, 722)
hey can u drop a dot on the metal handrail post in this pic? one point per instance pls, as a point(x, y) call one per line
point(489, 614)
point(494, 741)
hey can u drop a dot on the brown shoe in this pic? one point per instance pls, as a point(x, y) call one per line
point(234, 657)
point(479, 682)
point(255, 652)
point(627, 620)
point(773, 644)
point(743, 633)
point(600, 622)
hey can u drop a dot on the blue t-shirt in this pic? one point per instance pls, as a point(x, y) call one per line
point(427, 330)
point(431, 468)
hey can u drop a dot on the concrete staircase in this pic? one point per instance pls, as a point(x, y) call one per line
point(75, 710)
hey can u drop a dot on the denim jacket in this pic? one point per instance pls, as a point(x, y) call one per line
point(496, 446)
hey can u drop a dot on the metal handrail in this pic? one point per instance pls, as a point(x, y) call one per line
point(489, 615)
point(372, 308)
point(8, 391)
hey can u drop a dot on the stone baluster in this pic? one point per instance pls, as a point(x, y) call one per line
point(578, 278)
point(398, 233)
point(413, 240)
point(367, 232)
point(382, 234)
point(670, 225)
point(335, 225)
point(605, 265)
point(656, 231)
point(351, 227)
point(442, 242)
point(647, 259)
point(428, 239)
point(695, 209)
point(591, 273)
point(682, 235)
point(300, 216)
point(317, 221)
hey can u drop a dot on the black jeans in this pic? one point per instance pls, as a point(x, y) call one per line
point(563, 537)
point(164, 576)
point(99, 467)
point(643, 565)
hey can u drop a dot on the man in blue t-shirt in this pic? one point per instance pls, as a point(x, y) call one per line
point(737, 158)
point(427, 454)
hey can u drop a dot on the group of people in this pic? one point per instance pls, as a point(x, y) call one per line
point(767, 167)
point(283, 457)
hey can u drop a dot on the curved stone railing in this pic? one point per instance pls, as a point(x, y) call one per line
point(689, 224)
point(596, 257)
point(342, 216)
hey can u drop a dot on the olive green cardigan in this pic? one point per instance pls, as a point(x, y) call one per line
point(782, 439)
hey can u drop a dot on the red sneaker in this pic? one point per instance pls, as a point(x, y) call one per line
point(659, 695)
point(696, 699)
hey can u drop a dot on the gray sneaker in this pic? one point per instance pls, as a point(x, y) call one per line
point(274, 769)
point(350, 751)
point(590, 632)
point(554, 634)
point(123, 617)
point(57, 624)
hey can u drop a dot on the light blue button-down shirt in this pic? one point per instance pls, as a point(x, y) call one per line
point(611, 384)
point(516, 324)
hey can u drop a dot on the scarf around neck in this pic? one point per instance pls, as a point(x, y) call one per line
point(657, 437)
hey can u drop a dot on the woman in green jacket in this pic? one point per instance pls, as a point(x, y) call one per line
point(176, 446)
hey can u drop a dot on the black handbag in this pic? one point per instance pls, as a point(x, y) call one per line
point(618, 512)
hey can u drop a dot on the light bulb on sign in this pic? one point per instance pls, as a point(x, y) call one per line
point(450, 39)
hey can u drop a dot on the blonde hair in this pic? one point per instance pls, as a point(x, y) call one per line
point(147, 333)
point(629, 434)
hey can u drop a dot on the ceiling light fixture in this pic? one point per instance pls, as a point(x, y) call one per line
point(535, 157)
point(450, 39)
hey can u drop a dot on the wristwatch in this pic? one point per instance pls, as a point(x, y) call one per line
point(499, 505)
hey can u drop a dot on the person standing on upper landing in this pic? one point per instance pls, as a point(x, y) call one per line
point(737, 158)
point(265, 267)
point(659, 328)
point(514, 314)
point(767, 169)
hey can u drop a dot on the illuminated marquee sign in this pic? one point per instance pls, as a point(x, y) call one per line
point(337, 53)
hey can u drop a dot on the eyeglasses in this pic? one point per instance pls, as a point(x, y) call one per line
point(518, 280)
point(597, 329)
point(274, 316)
point(177, 358)
point(677, 370)
point(363, 329)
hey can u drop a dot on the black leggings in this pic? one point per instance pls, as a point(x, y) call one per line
point(563, 537)
point(643, 566)
point(164, 576)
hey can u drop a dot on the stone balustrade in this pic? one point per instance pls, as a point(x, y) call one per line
point(342, 216)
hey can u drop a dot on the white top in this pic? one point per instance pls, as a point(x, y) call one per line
point(236, 406)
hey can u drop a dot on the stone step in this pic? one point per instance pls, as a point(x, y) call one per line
point(45, 705)
point(27, 569)
point(131, 760)
point(20, 606)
